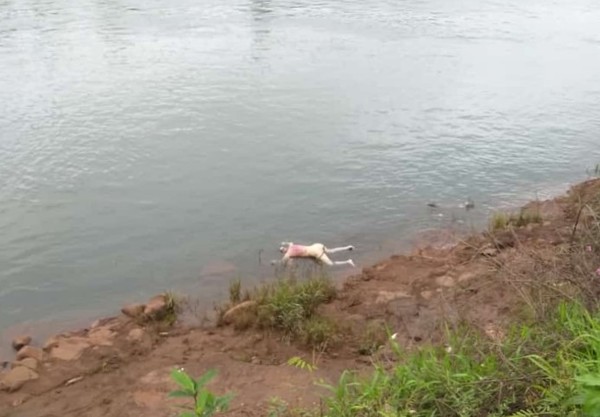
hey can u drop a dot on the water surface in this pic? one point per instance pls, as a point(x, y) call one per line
point(161, 144)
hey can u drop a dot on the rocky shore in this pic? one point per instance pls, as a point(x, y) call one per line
point(119, 366)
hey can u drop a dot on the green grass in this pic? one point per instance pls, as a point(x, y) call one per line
point(539, 370)
point(235, 291)
point(501, 220)
point(289, 306)
point(375, 336)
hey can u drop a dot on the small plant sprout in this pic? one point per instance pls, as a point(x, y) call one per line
point(206, 404)
point(298, 362)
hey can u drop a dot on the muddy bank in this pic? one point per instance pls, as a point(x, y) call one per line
point(120, 366)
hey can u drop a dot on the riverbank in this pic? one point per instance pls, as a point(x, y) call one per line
point(120, 366)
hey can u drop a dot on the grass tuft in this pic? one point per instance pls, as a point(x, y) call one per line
point(235, 291)
point(287, 305)
point(501, 221)
point(375, 336)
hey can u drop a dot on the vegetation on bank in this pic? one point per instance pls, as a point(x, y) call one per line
point(547, 363)
point(288, 306)
point(502, 220)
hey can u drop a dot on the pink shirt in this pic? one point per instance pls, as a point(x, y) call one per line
point(296, 251)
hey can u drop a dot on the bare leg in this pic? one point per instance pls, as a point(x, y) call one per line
point(324, 259)
point(340, 249)
point(347, 262)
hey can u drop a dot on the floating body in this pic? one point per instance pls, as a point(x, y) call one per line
point(317, 252)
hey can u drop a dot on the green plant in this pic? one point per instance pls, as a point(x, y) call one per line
point(206, 403)
point(277, 407)
point(540, 369)
point(286, 305)
point(375, 336)
point(235, 291)
point(589, 397)
point(319, 332)
point(501, 221)
point(298, 362)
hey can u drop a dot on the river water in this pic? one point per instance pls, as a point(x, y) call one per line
point(150, 145)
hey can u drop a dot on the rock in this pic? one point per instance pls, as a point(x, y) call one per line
point(30, 363)
point(466, 276)
point(157, 307)
point(489, 252)
point(387, 296)
point(20, 399)
point(16, 378)
point(438, 272)
point(235, 311)
point(30, 352)
point(445, 281)
point(50, 344)
point(101, 336)
point(135, 335)
point(427, 294)
point(20, 342)
point(70, 348)
point(133, 310)
point(73, 380)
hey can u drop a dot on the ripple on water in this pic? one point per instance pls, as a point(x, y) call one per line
point(143, 142)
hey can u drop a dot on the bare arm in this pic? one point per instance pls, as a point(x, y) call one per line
point(284, 261)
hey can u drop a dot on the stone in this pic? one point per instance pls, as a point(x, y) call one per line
point(445, 281)
point(30, 363)
point(70, 348)
point(50, 344)
point(101, 336)
point(133, 310)
point(19, 399)
point(14, 379)
point(156, 308)
point(20, 342)
point(387, 296)
point(232, 313)
point(489, 252)
point(466, 276)
point(427, 294)
point(136, 335)
point(30, 352)
point(438, 272)
point(74, 380)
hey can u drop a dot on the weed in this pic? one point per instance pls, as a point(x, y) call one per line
point(235, 291)
point(374, 337)
point(319, 332)
point(533, 372)
point(286, 305)
point(277, 407)
point(501, 221)
point(298, 362)
point(206, 403)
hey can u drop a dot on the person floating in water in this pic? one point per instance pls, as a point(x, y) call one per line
point(317, 252)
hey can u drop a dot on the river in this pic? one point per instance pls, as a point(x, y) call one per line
point(151, 145)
